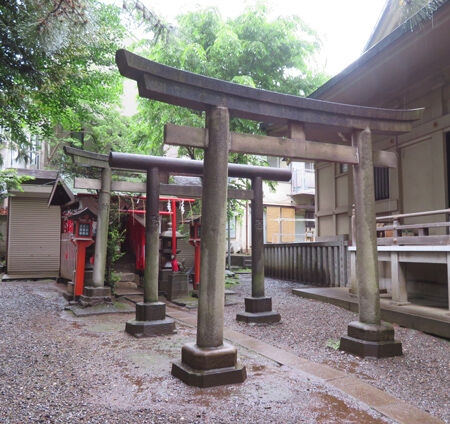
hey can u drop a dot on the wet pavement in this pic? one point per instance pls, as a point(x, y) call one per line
point(58, 368)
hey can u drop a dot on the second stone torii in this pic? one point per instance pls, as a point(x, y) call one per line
point(258, 307)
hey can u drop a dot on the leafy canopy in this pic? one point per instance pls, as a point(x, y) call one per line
point(57, 66)
point(250, 50)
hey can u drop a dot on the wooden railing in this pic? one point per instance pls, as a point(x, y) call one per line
point(395, 233)
point(318, 263)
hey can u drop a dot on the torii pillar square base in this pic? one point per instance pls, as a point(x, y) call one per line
point(369, 340)
point(150, 321)
point(208, 367)
point(93, 296)
point(258, 309)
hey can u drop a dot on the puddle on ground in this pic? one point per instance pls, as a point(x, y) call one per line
point(331, 410)
point(150, 360)
point(348, 367)
point(257, 370)
point(91, 335)
point(113, 343)
point(107, 327)
point(136, 381)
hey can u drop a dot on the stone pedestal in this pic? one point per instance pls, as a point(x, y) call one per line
point(150, 321)
point(177, 285)
point(95, 296)
point(258, 309)
point(207, 367)
point(163, 281)
point(370, 340)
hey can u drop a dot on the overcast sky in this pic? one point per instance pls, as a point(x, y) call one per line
point(343, 26)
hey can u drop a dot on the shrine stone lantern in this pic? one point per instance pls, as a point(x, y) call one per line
point(172, 282)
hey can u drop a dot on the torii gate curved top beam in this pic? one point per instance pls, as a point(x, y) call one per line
point(182, 88)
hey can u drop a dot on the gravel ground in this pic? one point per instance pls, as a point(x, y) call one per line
point(420, 376)
point(55, 368)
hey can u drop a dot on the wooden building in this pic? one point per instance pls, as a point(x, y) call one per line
point(406, 64)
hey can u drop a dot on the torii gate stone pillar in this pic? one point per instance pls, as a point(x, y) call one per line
point(368, 336)
point(97, 292)
point(258, 307)
point(151, 317)
point(210, 361)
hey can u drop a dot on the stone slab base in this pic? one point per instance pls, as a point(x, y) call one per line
point(209, 378)
point(258, 304)
point(150, 320)
point(150, 328)
point(258, 309)
point(68, 296)
point(365, 348)
point(93, 296)
point(370, 340)
point(207, 367)
point(259, 317)
point(150, 311)
point(105, 308)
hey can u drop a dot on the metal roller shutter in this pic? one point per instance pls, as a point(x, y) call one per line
point(33, 237)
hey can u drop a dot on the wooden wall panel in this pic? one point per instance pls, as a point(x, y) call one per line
point(288, 227)
point(273, 224)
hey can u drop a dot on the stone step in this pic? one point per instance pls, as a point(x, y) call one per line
point(128, 276)
point(247, 263)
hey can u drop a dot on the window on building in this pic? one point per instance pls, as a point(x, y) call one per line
point(309, 215)
point(381, 176)
point(343, 168)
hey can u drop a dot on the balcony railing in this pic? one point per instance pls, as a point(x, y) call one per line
point(303, 181)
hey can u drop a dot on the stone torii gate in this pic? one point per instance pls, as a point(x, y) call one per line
point(210, 361)
point(258, 307)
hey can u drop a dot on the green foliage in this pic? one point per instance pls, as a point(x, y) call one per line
point(116, 236)
point(250, 50)
point(10, 181)
point(333, 344)
point(57, 70)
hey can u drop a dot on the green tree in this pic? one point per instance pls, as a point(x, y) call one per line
point(9, 181)
point(58, 73)
point(57, 68)
point(251, 50)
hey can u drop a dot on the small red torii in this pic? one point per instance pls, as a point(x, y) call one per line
point(137, 229)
